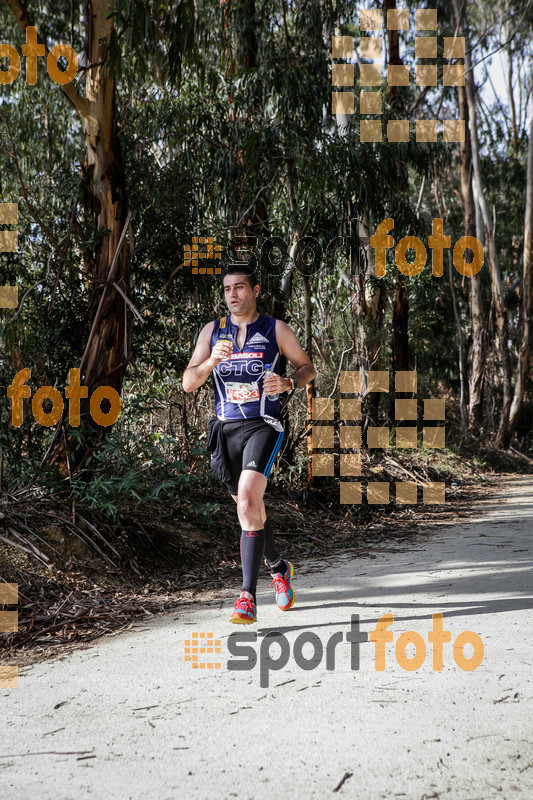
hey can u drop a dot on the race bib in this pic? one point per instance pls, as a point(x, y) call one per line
point(242, 392)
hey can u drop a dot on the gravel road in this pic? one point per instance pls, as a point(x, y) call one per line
point(306, 714)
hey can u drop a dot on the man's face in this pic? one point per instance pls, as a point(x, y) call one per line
point(239, 295)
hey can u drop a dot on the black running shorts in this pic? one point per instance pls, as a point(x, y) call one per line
point(250, 444)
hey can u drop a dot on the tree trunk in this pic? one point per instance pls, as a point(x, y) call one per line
point(106, 197)
point(400, 304)
point(527, 293)
point(310, 388)
point(368, 308)
point(503, 436)
point(400, 317)
point(514, 133)
point(283, 296)
point(460, 349)
point(477, 369)
point(239, 27)
point(393, 43)
point(107, 353)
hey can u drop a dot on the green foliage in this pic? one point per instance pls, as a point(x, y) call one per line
point(125, 473)
point(152, 35)
point(221, 108)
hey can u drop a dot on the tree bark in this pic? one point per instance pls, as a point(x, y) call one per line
point(503, 437)
point(527, 294)
point(310, 388)
point(106, 202)
point(241, 54)
point(477, 368)
point(283, 296)
point(400, 303)
point(368, 309)
point(460, 349)
point(514, 133)
point(106, 197)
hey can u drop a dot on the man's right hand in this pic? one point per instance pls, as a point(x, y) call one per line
point(204, 360)
point(221, 351)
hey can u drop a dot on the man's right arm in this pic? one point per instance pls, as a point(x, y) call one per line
point(203, 360)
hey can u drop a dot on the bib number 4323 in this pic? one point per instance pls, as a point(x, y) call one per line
point(242, 392)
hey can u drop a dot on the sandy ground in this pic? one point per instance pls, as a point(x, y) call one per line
point(129, 717)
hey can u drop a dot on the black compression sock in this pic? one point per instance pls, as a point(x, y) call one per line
point(252, 547)
point(271, 551)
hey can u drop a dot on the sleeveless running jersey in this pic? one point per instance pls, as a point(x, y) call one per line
point(238, 381)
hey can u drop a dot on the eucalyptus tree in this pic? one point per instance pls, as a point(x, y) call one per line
point(105, 34)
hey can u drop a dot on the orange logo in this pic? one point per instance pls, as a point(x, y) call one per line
point(202, 644)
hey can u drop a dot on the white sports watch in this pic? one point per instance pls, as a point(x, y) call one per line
point(294, 382)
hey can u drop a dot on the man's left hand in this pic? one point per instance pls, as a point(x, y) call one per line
point(276, 384)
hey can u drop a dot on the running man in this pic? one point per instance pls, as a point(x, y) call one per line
point(236, 350)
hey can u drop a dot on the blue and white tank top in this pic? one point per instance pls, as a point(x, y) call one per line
point(238, 381)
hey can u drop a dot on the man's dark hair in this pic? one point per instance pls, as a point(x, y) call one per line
point(235, 269)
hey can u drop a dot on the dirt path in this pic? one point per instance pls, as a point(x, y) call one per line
point(128, 717)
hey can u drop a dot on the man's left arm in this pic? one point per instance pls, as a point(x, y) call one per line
point(291, 348)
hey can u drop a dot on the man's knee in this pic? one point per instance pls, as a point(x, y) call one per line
point(246, 504)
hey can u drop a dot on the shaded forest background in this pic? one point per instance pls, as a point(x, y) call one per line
point(214, 119)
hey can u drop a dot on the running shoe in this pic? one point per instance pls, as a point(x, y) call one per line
point(245, 610)
point(284, 591)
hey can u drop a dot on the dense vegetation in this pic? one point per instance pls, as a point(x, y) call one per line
point(215, 120)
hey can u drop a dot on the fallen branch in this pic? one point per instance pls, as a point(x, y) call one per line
point(521, 455)
point(411, 474)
